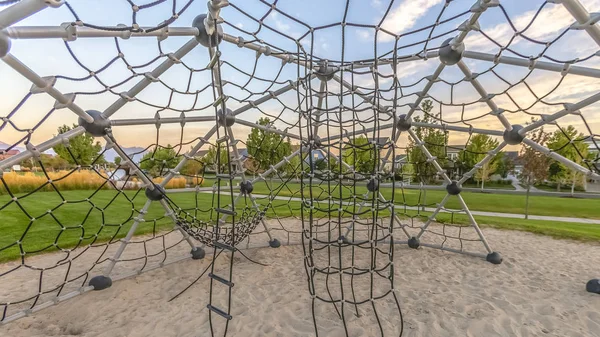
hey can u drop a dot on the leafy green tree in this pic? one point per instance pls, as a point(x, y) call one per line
point(568, 143)
point(161, 159)
point(435, 142)
point(475, 151)
point(505, 166)
point(360, 154)
point(265, 147)
point(83, 150)
point(535, 164)
point(210, 159)
point(50, 163)
point(192, 167)
point(117, 161)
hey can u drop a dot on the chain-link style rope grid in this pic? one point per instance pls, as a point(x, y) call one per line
point(339, 98)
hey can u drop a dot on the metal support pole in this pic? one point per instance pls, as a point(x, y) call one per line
point(431, 158)
point(23, 9)
point(565, 68)
point(584, 20)
point(484, 94)
point(359, 132)
point(171, 214)
point(271, 95)
point(46, 85)
point(262, 176)
point(158, 120)
point(71, 32)
point(423, 93)
point(56, 140)
point(482, 163)
point(568, 108)
point(267, 129)
point(140, 218)
point(561, 159)
point(431, 218)
point(474, 223)
point(151, 77)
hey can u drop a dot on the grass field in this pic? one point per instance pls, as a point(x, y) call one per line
point(78, 221)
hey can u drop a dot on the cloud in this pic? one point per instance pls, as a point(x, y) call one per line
point(279, 24)
point(364, 34)
point(406, 16)
point(239, 25)
point(552, 20)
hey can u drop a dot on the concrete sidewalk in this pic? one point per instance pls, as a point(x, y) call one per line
point(476, 213)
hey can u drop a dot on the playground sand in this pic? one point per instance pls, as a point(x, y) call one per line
point(539, 290)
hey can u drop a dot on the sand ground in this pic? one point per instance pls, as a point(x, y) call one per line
point(539, 290)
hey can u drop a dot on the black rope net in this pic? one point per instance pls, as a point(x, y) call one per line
point(261, 123)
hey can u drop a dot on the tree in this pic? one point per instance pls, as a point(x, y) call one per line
point(81, 149)
point(265, 147)
point(192, 167)
point(162, 158)
point(117, 161)
point(360, 154)
point(568, 143)
point(475, 151)
point(505, 166)
point(435, 142)
point(210, 159)
point(535, 163)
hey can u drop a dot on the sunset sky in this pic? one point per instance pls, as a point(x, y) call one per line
point(50, 57)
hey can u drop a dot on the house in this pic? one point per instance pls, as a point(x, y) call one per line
point(5, 154)
point(516, 160)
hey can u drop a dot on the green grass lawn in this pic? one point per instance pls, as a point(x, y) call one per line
point(477, 201)
point(78, 222)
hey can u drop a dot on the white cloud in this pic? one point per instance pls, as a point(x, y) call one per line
point(406, 15)
point(552, 20)
point(279, 24)
point(364, 34)
point(239, 25)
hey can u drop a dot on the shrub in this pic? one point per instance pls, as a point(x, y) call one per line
point(24, 182)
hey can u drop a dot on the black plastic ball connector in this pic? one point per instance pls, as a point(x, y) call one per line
point(99, 127)
point(203, 38)
point(274, 243)
point(246, 187)
point(156, 194)
point(513, 137)
point(100, 282)
point(453, 188)
point(593, 286)
point(373, 185)
point(403, 123)
point(414, 242)
point(325, 72)
point(317, 143)
point(449, 55)
point(227, 118)
point(198, 253)
point(494, 258)
point(5, 44)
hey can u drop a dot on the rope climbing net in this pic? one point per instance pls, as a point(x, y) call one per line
point(269, 122)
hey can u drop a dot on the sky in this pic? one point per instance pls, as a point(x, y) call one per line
point(515, 88)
